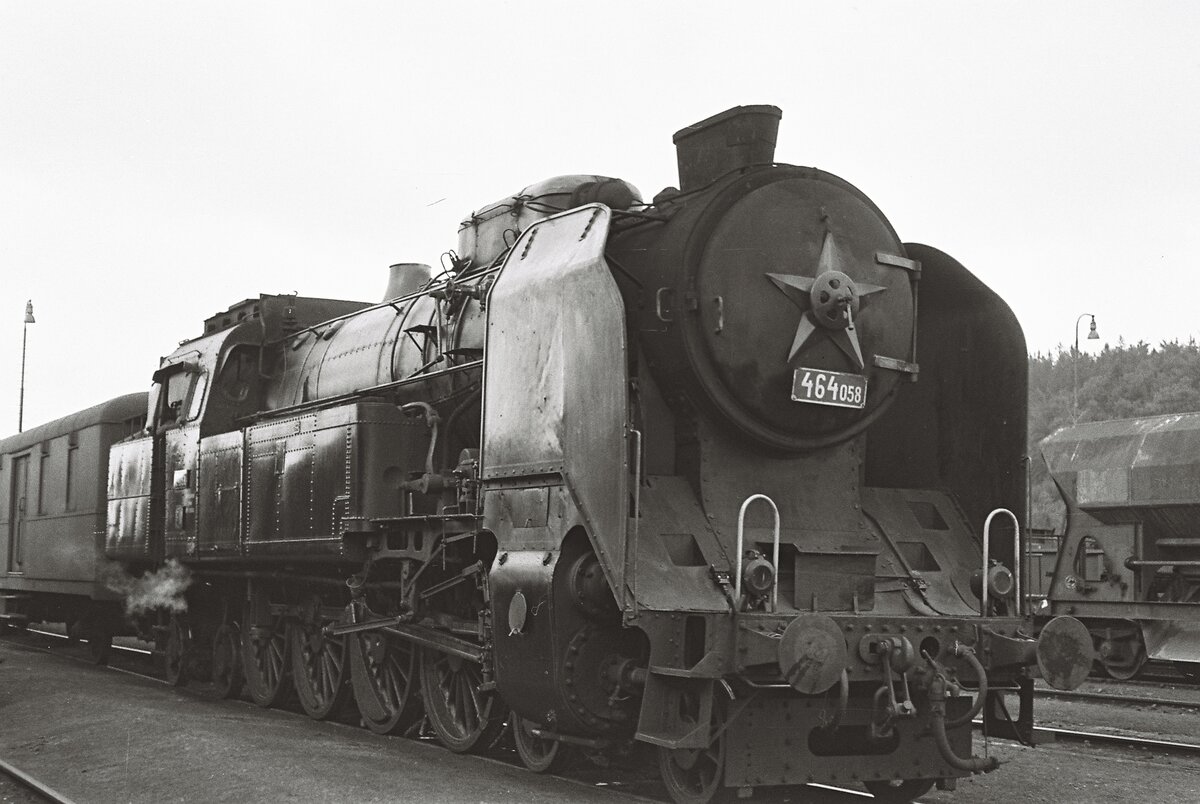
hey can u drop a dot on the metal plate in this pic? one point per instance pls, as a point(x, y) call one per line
point(812, 653)
point(835, 388)
point(1065, 653)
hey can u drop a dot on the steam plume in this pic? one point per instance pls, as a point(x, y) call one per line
point(162, 589)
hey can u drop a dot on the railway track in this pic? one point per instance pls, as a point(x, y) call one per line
point(1117, 699)
point(41, 790)
point(1121, 740)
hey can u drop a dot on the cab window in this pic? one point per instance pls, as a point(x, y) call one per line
point(179, 389)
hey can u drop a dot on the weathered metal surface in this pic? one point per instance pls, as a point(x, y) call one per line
point(311, 477)
point(735, 138)
point(1176, 640)
point(1065, 653)
point(727, 307)
point(220, 494)
point(812, 653)
point(962, 426)
point(181, 452)
point(130, 533)
point(1131, 469)
point(555, 390)
point(770, 744)
point(927, 550)
point(486, 234)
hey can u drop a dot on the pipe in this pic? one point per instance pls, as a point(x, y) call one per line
point(980, 694)
point(937, 718)
point(1134, 563)
point(431, 421)
point(472, 397)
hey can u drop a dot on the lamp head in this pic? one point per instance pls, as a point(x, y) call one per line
point(29, 312)
point(1092, 334)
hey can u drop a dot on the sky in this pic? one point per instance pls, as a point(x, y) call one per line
point(162, 161)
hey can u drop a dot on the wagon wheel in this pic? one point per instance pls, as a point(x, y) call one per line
point(466, 713)
point(227, 661)
point(74, 631)
point(175, 657)
point(383, 674)
point(697, 775)
point(319, 670)
point(100, 645)
point(538, 754)
point(264, 651)
point(1126, 671)
point(99, 635)
point(694, 775)
point(465, 716)
point(898, 791)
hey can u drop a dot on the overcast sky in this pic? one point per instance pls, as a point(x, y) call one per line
point(161, 161)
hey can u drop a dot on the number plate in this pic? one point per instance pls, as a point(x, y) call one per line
point(819, 387)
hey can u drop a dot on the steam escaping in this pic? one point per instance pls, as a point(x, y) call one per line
point(162, 589)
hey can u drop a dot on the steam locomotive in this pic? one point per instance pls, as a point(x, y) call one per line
point(665, 472)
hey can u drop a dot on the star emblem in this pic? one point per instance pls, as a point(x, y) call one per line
point(829, 300)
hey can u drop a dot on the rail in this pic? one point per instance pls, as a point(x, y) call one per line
point(33, 784)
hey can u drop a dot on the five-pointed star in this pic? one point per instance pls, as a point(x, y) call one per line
point(799, 290)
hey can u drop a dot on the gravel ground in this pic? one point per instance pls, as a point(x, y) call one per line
point(13, 793)
point(65, 722)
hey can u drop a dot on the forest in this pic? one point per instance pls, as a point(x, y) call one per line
point(1121, 382)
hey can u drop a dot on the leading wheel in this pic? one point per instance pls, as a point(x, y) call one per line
point(539, 755)
point(694, 775)
point(898, 791)
point(465, 716)
point(264, 651)
point(227, 661)
point(383, 673)
point(697, 775)
point(319, 669)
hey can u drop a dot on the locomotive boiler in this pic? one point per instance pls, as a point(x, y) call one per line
point(734, 473)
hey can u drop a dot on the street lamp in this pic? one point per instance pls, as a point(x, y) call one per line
point(1091, 336)
point(24, 337)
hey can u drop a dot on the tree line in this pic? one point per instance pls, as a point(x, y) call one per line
point(1121, 382)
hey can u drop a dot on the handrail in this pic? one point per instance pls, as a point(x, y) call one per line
point(987, 532)
point(629, 586)
point(737, 578)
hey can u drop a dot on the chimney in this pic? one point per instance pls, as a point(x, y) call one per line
point(736, 138)
point(405, 278)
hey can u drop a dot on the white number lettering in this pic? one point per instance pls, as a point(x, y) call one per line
point(821, 380)
point(806, 381)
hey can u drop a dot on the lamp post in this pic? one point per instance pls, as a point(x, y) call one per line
point(1091, 336)
point(24, 338)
